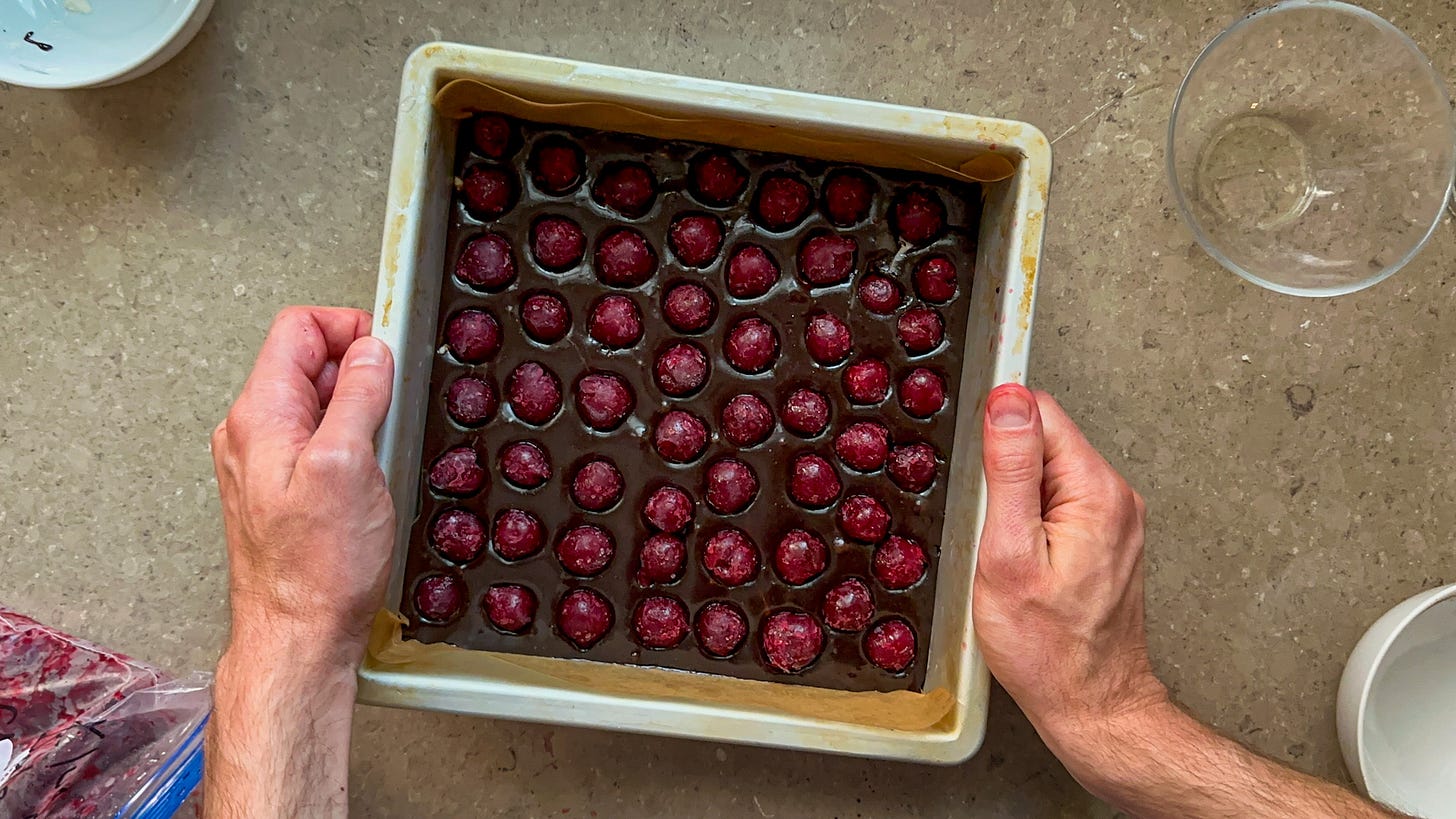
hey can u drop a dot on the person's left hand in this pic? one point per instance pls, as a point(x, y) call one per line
point(309, 521)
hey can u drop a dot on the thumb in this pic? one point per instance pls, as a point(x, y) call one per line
point(361, 396)
point(1013, 540)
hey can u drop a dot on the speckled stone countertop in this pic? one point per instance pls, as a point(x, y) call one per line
point(1294, 453)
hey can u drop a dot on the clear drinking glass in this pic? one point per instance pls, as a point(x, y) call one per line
point(1312, 148)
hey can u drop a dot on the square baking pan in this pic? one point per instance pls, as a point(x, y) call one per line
point(944, 723)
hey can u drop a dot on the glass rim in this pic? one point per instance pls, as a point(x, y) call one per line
point(1186, 210)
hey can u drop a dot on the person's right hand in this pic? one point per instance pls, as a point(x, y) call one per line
point(1059, 615)
point(1059, 581)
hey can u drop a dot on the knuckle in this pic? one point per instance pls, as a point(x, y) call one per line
point(239, 418)
point(1108, 493)
point(334, 459)
point(287, 314)
point(1126, 499)
point(995, 569)
point(367, 391)
point(1010, 521)
point(222, 456)
point(1013, 466)
point(247, 421)
point(1001, 558)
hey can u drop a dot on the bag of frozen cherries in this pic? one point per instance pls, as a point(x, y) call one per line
point(87, 732)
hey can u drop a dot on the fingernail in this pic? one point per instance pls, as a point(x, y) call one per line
point(1009, 409)
point(367, 352)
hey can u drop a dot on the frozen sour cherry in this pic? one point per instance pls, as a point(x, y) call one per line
point(584, 616)
point(791, 640)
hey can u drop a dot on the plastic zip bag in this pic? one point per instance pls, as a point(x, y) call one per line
point(87, 732)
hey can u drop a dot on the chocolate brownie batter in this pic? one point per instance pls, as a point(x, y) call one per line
point(838, 269)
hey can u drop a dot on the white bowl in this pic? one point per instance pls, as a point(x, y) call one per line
point(1397, 706)
point(87, 43)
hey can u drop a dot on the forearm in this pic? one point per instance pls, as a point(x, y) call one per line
point(278, 743)
point(1160, 762)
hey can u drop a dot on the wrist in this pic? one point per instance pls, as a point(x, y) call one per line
point(1096, 748)
point(270, 644)
point(1086, 735)
point(264, 627)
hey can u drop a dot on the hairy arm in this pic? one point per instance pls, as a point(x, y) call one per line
point(279, 736)
point(309, 527)
point(1161, 762)
point(1059, 615)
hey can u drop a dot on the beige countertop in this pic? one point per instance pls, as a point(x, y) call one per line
point(1294, 453)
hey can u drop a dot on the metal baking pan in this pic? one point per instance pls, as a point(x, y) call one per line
point(1013, 161)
